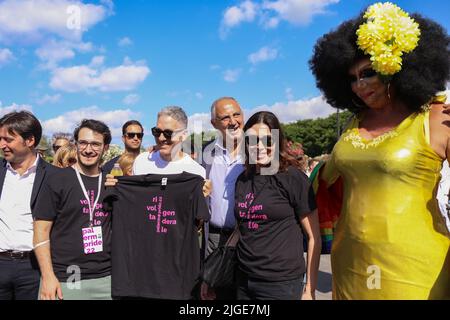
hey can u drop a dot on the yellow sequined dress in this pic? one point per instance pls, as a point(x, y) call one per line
point(390, 241)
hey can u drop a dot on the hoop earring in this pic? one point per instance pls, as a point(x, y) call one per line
point(389, 90)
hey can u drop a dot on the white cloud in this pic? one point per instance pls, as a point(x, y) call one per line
point(235, 15)
point(214, 67)
point(262, 55)
point(270, 22)
point(124, 42)
point(297, 12)
point(48, 99)
point(30, 21)
point(125, 77)
point(55, 26)
point(297, 110)
point(269, 13)
point(131, 99)
point(97, 61)
point(289, 94)
point(14, 107)
point(186, 95)
point(6, 56)
point(199, 122)
point(54, 51)
point(231, 75)
point(69, 120)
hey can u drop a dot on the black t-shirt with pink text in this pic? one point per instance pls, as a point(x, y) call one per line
point(63, 202)
point(269, 208)
point(155, 248)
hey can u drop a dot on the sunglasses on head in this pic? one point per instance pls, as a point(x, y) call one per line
point(364, 75)
point(168, 134)
point(131, 135)
point(253, 141)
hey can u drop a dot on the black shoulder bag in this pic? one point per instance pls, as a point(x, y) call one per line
point(220, 266)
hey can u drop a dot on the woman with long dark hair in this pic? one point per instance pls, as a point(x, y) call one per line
point(273, 198)
point(387, 68)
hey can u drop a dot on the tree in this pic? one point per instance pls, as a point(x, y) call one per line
point(46, 146)
point(203, 137)
point(317, 136)
point(113, 151)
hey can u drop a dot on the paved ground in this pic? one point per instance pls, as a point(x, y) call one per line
point(323, 291)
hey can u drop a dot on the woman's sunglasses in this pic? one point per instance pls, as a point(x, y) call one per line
point(253, 141)
point(366, 74)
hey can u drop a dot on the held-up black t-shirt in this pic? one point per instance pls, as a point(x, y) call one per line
point(155, 248)
point(108, 166)
point(63, 202)
point(271, 243)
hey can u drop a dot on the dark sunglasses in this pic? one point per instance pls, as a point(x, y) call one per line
point(253, 141)
point(168, 134)
point(131, 135)
point(364, 75)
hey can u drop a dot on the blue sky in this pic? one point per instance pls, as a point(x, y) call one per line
point(126, 59)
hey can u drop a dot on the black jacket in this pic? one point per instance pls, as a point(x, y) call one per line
point(42, 171)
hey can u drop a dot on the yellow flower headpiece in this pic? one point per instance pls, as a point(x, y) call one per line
point(388, 33)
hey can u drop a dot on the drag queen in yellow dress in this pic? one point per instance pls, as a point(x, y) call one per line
point(390, 241)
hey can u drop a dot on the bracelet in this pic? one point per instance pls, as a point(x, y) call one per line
point(40, 244)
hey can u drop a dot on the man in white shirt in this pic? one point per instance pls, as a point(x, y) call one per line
point(224, 161)
point(22, 173)
point(170, 132)
point(167, 156)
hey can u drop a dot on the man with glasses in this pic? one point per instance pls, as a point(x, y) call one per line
point(60, 139)
point(72, 229)
point(168, 158)
point(172, 259)
point(132, 135)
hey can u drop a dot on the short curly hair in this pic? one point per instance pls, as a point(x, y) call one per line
point(425, 70)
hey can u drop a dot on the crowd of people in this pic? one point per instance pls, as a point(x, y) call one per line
point(76, 229)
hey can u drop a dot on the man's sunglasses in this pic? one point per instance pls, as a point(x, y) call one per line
point(131, 135)
point(168, 134)
point(253, 141)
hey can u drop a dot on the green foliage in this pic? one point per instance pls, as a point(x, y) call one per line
point(317, 136)
point(46, 145)
point(204, 137)
point(113, 151)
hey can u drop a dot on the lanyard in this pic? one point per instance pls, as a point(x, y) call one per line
point(91, 208)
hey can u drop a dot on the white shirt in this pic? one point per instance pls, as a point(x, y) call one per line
point(152, 163)
point(223, 175)
point(16, 221)
point(443, 191)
